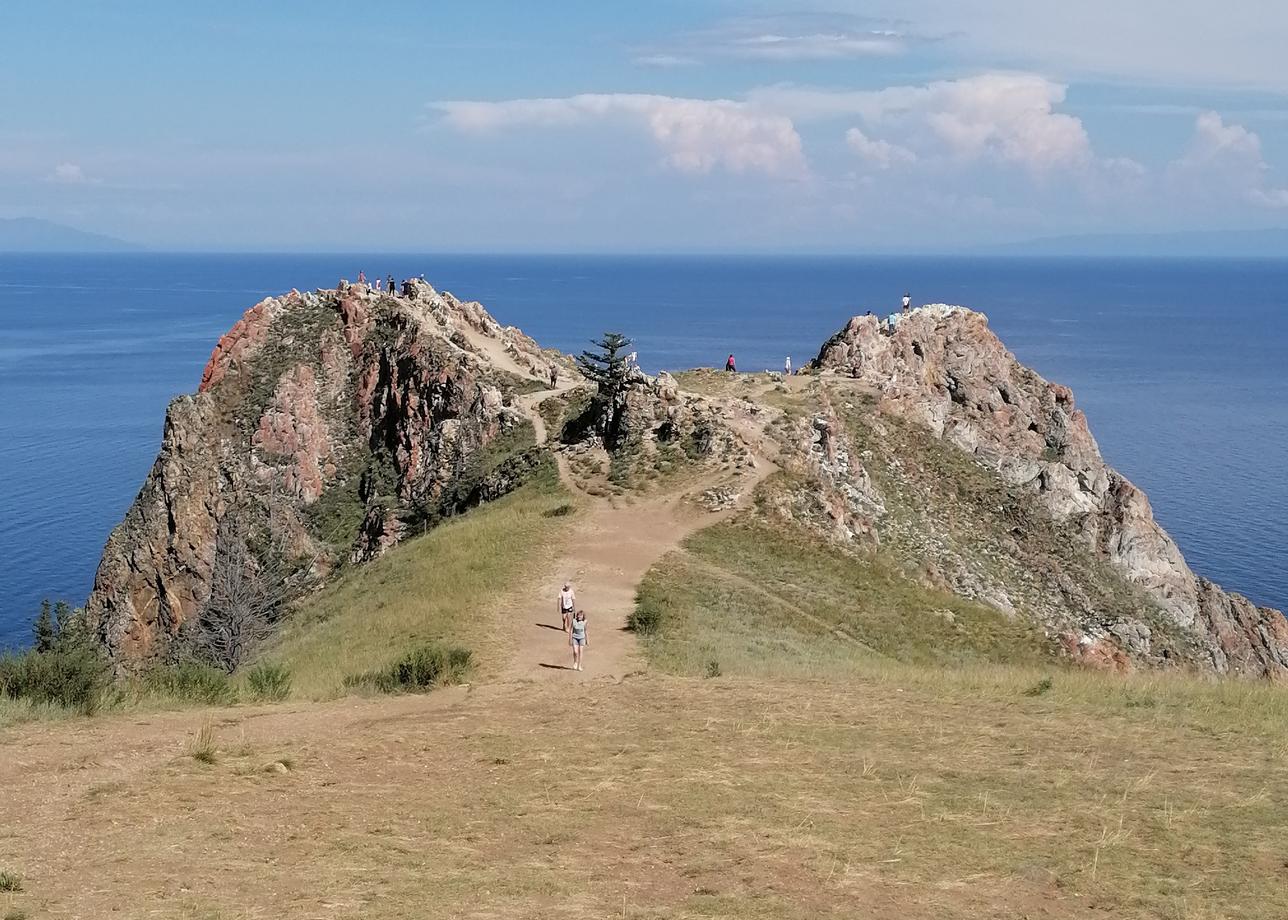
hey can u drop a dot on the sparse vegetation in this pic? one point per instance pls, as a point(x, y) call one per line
point(10, 881)
point(64, 670)
point(202, 748)
point(189, 682)
point(431, 588)
point(423, 668)
point(269, 682)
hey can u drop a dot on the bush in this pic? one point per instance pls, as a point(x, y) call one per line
point(191, 682)
point(646, 618)
point(421, 669)
point(269, 682)
point(72, 677)
point(1041, 688)
point(10, 881)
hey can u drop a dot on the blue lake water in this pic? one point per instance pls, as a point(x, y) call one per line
point(1180, 366)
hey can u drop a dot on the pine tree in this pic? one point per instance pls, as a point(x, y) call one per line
point(68, 625)
point(46, 633)
point(607, 367)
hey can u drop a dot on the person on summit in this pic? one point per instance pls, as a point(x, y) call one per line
point(577, 638)
point(730, 366)
point(393, 291)
point(787, 367)
point(907, 302)
point(567, 603)
point(554, 376)
point(362, 277)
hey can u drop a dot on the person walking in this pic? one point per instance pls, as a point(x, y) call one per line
point(787, 366)
point(577, 638)
point(730, 366)
point(907, 302)
point(567, 603)
point(554, 376)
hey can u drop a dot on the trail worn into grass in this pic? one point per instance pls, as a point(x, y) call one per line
point(616, 540)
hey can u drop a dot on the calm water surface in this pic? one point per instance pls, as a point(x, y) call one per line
point(1180, 367)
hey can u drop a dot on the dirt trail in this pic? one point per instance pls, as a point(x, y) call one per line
point(616, 542)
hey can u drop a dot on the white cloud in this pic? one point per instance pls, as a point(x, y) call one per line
point(881, 154)
point(1225, 160)
point(696, 135)
point(664, 61)
point(1004, 117)
point(68, 174)
point(814, 45)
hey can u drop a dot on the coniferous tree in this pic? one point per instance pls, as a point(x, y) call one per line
point(607, 366)
point(46, 633)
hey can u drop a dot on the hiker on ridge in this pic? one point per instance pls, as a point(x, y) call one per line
point(907, 302)
point(393, 291)
point(730, 367)
point(787, 366)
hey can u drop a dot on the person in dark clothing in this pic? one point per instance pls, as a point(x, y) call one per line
point(554, 377)
point(730, 366)
point(389, 286)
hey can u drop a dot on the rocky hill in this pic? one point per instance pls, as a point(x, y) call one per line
point(943, 370)
point(330, 425)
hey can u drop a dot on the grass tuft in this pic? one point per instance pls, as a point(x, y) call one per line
point(190, 682)
point(202, 749)
point(10, 881)
point(421, 669)
point(1041, 688)
point(269, 682)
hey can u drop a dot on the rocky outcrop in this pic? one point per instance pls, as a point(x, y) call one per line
point(337, 420)
point(942, 367)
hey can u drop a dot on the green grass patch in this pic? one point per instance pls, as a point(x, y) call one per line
point(435, 664)
point(187, 683)
point(767, 600)
point(269, 682)
point(443, 586)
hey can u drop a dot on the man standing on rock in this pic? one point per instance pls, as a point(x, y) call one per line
point(567, 603)
point(393, 291)
point(907, 302)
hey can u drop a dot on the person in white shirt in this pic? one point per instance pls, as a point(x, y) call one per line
point(567, 603)
point(907, 302)
point(787, 366)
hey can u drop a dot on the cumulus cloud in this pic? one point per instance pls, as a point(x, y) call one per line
point(696, 135)
point(881, 154)
point(1226, 160)
point(1004, 117)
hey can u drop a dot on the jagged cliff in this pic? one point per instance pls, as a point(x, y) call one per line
point(334, 422)
point(943, 370)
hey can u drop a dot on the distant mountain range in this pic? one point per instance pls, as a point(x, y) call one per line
point(29, 234)
point(1252, 244)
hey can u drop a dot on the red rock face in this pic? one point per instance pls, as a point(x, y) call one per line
point(240, 342)
point(340, 395)
point(943, 368)
point(293, 428)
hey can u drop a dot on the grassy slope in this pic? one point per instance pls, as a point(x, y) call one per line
point(444, 585)
point(966, 755)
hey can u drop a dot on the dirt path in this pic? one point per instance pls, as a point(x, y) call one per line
point(616, 542)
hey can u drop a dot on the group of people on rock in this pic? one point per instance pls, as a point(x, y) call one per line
point(388, 285)
point(574, 624)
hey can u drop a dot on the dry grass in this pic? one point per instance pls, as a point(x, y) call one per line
point(905, 793)
point(761, 600)
point(446, 585)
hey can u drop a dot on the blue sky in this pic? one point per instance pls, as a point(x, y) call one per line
point(597, 126)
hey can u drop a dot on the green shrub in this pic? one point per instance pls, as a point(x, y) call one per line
point(269, 682)
point(421, 669)
point(713, 668)
point(191, 682)
point(646, 618)
point(10, 881)
point(75, 677)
